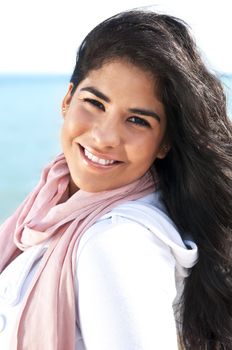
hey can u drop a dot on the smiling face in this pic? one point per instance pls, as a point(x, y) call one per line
point(114, 127)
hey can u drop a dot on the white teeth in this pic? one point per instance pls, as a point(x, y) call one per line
point(96, 159)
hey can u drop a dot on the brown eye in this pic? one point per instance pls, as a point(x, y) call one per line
point(95, 103)
point(139, 121)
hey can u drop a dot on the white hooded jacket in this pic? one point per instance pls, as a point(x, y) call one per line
point(131, 265)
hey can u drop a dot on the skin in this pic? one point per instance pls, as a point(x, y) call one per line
point(110, 128)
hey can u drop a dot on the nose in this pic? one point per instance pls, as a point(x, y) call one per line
point(107, 133)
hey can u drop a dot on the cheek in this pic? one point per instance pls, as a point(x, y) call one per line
point(144, 150)
point(75, 124)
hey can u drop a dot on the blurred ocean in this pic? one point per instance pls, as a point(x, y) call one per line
point(30, 120)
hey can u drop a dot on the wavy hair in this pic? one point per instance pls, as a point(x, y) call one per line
point(196, 175)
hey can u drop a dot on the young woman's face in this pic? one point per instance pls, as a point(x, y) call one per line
point(114, 127)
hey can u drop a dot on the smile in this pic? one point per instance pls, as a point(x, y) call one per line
point(97, 160)
point(97, 163)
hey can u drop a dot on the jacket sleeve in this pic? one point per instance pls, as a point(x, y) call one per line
point(126, 287)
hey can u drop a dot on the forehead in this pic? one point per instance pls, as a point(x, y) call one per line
point(121, 75)
point(125, 85)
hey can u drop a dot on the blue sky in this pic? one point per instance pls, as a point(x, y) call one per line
point(43, 36)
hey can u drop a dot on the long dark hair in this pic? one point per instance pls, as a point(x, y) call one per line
point(196, 175)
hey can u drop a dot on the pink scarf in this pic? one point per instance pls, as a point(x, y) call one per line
point(47, 317)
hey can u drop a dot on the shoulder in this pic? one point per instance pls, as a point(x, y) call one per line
point(136, 225)
point(126, 258)
point(117, 236)
point(119, 226)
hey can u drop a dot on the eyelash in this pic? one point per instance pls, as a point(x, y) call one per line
point(139, 121)
point(95, 103)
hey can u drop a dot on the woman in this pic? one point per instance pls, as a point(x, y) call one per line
point(125, 242)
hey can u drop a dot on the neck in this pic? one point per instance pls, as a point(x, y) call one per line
point(72, 187)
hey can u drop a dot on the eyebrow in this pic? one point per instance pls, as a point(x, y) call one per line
point(146, 112)
point(96, 92)
point(99, 94)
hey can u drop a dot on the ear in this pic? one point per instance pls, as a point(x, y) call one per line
point(164, 149)
point(67, 100)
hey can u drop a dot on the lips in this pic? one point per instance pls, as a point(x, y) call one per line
point(96, 160)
